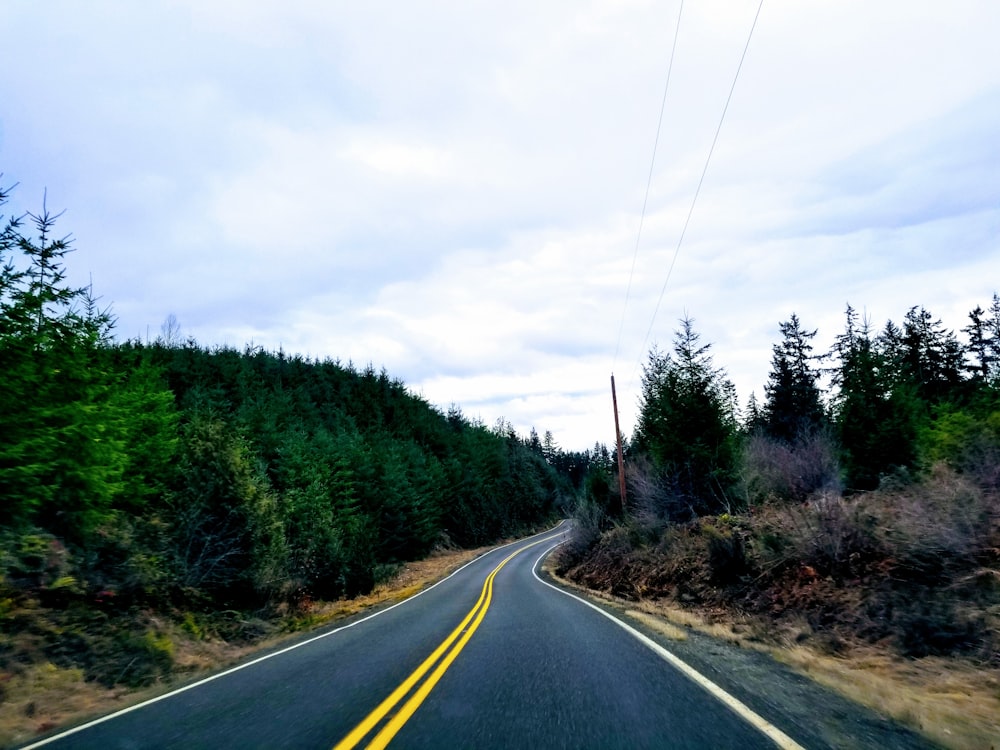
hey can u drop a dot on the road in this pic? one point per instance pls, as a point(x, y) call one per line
point(491, 657)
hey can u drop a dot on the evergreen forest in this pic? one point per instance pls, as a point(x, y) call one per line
point(215, 486)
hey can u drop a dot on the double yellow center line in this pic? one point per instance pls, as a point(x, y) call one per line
point(443, 656)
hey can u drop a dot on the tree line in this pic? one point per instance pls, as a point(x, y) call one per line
point(180, 475)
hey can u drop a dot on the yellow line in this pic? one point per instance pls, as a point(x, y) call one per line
point(383, 738)
point(358, 733)
point(389, 731)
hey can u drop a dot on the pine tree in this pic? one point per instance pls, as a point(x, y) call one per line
point(755, 420)
point(930, 356)
point(993, 339)
point(873, 412)
point(793, 407)
point(686, 422)
point(984, 342)
point(62, 454)
point(534, 443)
point(550, 449)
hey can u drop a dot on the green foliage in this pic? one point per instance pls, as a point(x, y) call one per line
point(687, 424)
point(900, 397)
point(793, 407)
point(331, 541)
point(149, 423)
point(33, 559)
point(80, 435)
point(192, 625)
point(876, 410)
point(135, 659)
point(229, 533)
point(967, 440)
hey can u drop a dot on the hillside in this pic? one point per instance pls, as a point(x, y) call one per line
point(159, 492)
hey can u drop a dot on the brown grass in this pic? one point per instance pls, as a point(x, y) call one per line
point(664, 627)
point(952, 703)
point(42, 697)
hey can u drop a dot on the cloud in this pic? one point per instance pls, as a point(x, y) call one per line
point(453, 190)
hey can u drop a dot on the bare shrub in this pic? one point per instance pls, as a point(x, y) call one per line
point(833, 536)
point(727, 559)
point(589, 519)
point(614, 563)
point(915, 567)
point(924, 556)
point(651, 499)
point(981, 460)
point(935, 627)
point(776, 470)
point(938, 525)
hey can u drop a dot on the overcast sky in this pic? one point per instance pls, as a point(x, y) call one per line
point(452, 190)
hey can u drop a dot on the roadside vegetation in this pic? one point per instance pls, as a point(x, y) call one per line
point(159, 495)
point(859, 518)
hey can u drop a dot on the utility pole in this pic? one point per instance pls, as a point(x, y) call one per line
point(618, 438)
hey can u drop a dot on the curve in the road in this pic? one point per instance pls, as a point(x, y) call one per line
point(465, 631)
point(540, 671)
point(252, 662)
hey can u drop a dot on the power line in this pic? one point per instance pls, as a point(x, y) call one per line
point(649, 180)
point(701, 180)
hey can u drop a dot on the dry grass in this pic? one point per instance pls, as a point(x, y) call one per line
point(667, 618)
point(408, 580)
point(43, 697)
point(954, 704)
point(728, 629)
point(660, 625)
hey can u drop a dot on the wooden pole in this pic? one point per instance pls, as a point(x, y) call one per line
point(618, 438)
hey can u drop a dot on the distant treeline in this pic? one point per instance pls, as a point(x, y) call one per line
point(169, 472)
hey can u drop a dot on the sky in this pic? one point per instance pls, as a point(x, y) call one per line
point(454, 190)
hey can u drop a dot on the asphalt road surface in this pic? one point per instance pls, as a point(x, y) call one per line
point(491, 657)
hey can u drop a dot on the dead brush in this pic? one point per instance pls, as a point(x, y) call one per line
point(936, 528)
point(589, 519)
point(654, 498)
point(911, 565)
point(941, 597)
point(774, 470)
point(833, 536)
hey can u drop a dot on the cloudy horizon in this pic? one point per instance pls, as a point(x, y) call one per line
point(453, 191)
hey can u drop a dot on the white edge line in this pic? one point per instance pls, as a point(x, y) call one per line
point(781, 739)
point(265, 657)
